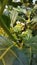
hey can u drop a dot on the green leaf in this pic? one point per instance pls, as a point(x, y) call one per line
point(26, 35)
point(3, 24)
point(2, 6)
point(6, 20)
point(18, 28)
point(13, 17)
point(5, 45)
point(10, 54)
point(32, 43)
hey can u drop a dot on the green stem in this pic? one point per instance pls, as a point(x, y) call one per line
point(31, 59)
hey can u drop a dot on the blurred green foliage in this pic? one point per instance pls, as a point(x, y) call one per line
point(18, 32)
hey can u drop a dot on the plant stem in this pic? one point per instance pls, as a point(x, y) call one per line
point(31, 57)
